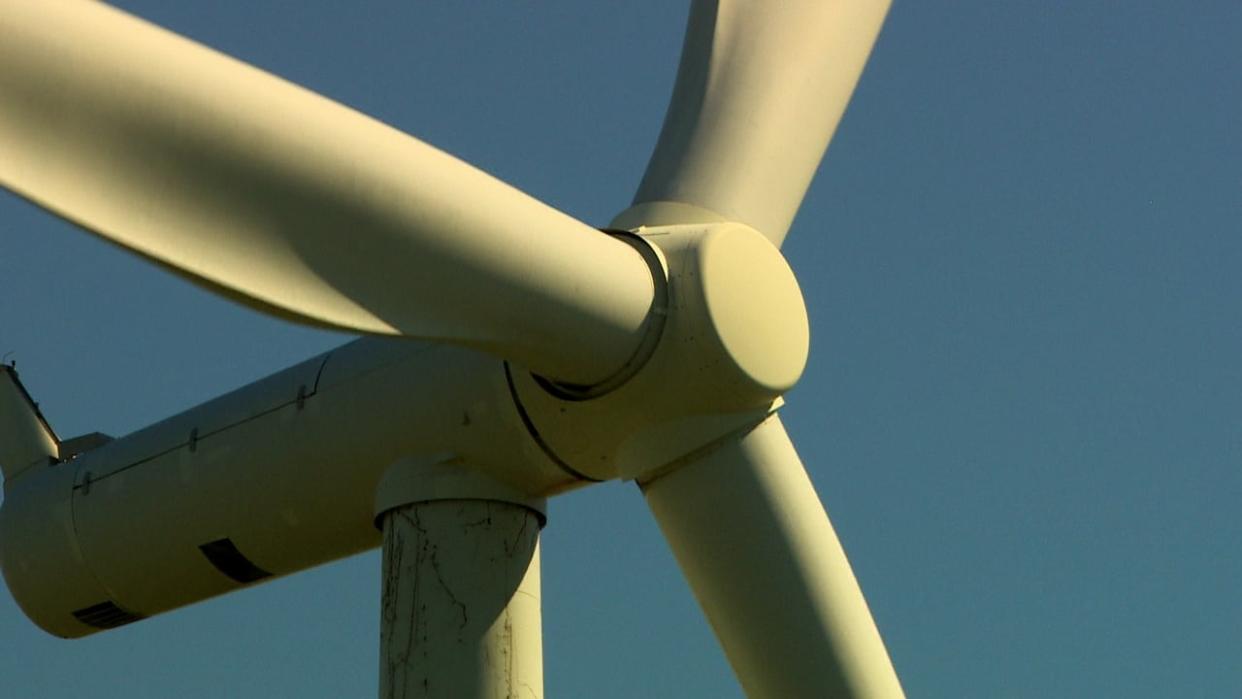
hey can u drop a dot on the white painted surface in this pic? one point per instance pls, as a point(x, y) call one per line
point(753, 540)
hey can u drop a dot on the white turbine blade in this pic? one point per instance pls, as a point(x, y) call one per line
point(760, 90)
point(761, 557)
point(295, 204)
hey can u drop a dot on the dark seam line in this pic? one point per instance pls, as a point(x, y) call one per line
point(319, 374)
point(534, 433)
point(186, 443)
point(312, 393)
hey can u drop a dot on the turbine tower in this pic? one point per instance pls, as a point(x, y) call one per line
point(510, 353)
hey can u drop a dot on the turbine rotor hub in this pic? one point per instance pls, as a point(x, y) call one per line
point(729, 336)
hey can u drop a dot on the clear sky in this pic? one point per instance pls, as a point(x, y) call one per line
point(1023, 407)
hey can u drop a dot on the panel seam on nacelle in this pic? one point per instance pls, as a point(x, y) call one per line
point(194, 438)
point(534, 433)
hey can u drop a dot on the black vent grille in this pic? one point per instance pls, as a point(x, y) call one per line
point(224, 555)
point(106, 615)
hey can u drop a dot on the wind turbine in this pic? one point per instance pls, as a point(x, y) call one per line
point(655, 353)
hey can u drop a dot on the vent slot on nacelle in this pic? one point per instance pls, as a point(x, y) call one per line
point(224, 555)
point(106, 615)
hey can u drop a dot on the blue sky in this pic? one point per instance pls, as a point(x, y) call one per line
point(1023, 407)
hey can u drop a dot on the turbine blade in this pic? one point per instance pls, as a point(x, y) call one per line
point(297, 205)
point(760, 90)
point(761, 556)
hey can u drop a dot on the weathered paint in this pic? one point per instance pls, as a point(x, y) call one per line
point(460, 616)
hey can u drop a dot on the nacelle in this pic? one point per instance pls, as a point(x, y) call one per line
point(270, 479)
